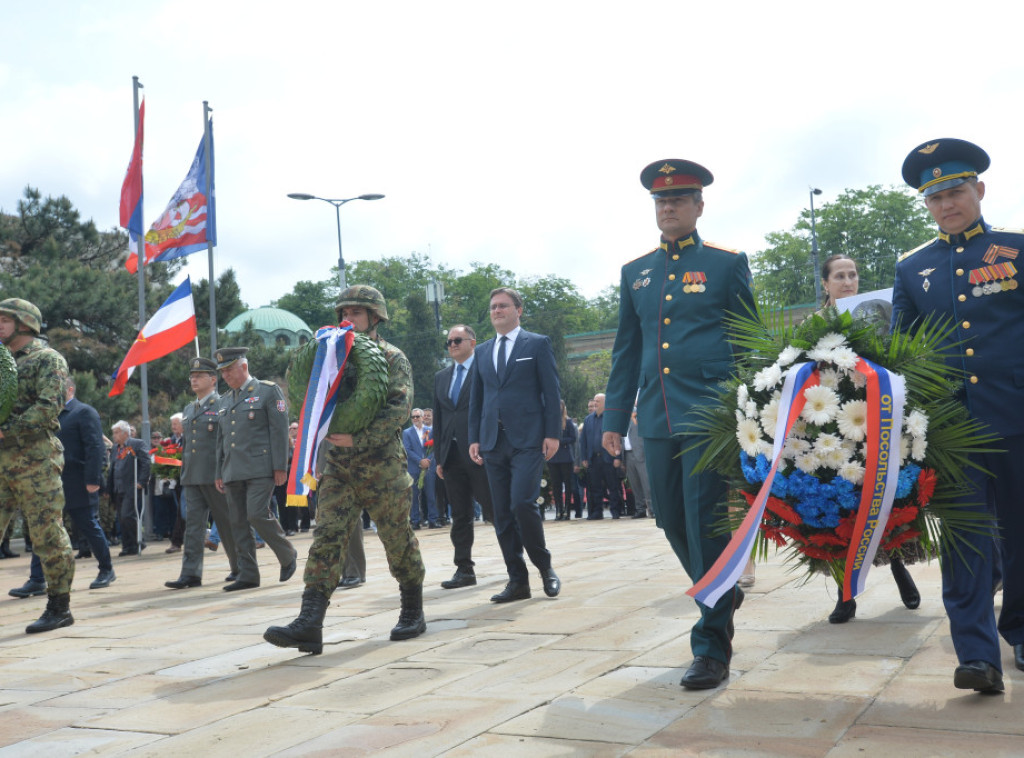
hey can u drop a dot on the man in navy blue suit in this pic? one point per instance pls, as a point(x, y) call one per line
point(515, 424)
point(81, 433)
point(465, 480)
point(418, 443)
point(968, 274)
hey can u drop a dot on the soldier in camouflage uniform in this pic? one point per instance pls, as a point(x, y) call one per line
point(363, 470)
point(31, 456)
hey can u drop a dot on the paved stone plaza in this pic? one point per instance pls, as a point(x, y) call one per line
point(147, 671)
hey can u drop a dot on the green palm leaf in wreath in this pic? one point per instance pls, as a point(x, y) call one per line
point(363, 388)
point(936, 453)
point(8, 382)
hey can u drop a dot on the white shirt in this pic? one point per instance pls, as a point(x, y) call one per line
point(511, 342)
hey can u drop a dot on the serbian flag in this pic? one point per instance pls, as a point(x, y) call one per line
point(171, 327)
point(188, 224)
point(131, 191)
point(332, 349)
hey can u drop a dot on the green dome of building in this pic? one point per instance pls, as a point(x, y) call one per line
point(274, 326)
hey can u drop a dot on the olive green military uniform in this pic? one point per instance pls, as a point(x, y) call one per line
point(31, 459)
point(252, 443)
point(369, 475)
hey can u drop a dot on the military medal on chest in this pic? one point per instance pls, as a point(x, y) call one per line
point(991, 280)
point(925, 284)
point(252, 415)
point(693, 282)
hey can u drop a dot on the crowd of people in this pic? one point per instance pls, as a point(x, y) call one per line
point(498, 444)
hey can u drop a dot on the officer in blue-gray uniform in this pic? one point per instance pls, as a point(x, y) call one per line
point(671, 344)
point(969, 274)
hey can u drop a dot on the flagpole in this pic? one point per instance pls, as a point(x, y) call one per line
point(211, 221)
point(144, 378)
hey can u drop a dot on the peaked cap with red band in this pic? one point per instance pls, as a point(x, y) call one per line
point(675, 177)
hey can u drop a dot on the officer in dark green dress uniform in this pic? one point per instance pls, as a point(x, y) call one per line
point(671, 345)
point(969, 274)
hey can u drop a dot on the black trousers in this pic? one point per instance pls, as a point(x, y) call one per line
point(465, 482)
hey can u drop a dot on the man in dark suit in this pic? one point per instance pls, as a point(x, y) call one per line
point(252, 457)
point(515, 424)
point(671, 345)
point(602, 469)
point(81, 433)
point(967, 274)
point(127, 481)
point(419, 457)
point(464, 479)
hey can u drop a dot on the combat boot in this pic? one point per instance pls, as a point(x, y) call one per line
point(411, 622)
point(307, 631)
point(56, 615)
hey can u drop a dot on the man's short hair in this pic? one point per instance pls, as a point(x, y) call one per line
point(517, 299)
point(123, 426)
point(178, 417)
point(466, 328)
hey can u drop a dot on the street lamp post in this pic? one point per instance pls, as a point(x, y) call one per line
point(337, 203)
point(814, 249)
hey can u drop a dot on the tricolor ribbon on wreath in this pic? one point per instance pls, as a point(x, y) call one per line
point(886, 396)
point(333, 346)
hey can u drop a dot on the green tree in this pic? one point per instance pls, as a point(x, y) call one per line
point(313, 302)
point(873, 226)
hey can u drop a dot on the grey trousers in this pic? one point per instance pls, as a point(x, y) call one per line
point(355, 560)
point(636, 470)
point(249, 504)
point(200, 501)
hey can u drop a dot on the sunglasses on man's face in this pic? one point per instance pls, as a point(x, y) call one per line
point(454, 341)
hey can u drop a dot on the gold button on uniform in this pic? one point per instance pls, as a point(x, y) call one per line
point(967, 325)
point(974, 380)
point(664, 346)
point(668, 297)
point(969, 352)
point(961, 298)
point(959, 272)
point(671, 277)
point(960, 249)
point(668, 321)
point(665, 370)
point(675, 257)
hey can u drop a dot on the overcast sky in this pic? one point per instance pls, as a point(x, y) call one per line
point(507, 133)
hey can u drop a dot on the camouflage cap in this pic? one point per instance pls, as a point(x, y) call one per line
point(228, 355)
point(202, 366)
point(363, 296)
point(23, 312)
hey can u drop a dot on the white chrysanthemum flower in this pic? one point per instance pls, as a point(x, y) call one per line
point(917, 448)
point(748, 433)
point(742, 395)
point(794, 448)
point(770, 417)
point(853, 450)
point(916, 424)
point(852, 471)
point(740, 415)
point(844, 358)
point(830, 341)
point(821, 406)
point(859, 380)
point(766, 448)
point(768, 377)
point(826, 443)
point(835, 458)
point(829, 378)
point(808, 463)
point(904, 449)
point(788, 355)
point(853, 420)
point(751, 409)
point(799, 428)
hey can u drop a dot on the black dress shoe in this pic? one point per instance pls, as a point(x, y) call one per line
point(843, 612)
point(908, 590)
point(979, 676)
point(512, 592)
point(350, 582)
point(183, 582)
point(237, 585)
point(103, 580)
point(552, 584)
point(82, 554)
point(461, 578)
point(1018, 656)
point(231, 577)
point(705, 673)
point(288, 570)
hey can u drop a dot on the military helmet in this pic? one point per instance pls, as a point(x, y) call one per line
point(23, 312)
point(363, 296)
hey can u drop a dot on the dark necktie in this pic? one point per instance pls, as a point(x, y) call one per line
point(459, 371)
point(501, 358)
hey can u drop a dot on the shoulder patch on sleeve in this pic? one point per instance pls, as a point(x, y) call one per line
point(919, 247)
point(719, 247)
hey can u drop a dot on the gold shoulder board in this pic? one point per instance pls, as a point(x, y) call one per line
point(719, 247)
point(919, 247)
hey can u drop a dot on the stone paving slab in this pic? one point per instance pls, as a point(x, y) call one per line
point(147, 671)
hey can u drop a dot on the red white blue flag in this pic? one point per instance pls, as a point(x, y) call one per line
point(131, 189)
point(172, 326)
point(189, 223)
point(332, 349)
